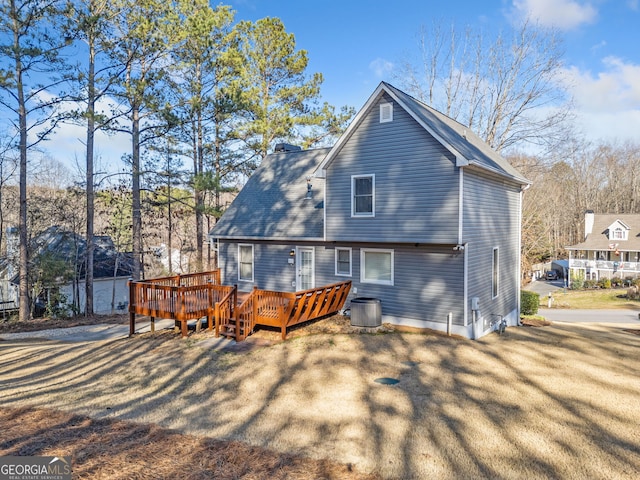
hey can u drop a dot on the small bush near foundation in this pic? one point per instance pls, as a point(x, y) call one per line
point(604, 283)
point(529, 302)
point(577, 280)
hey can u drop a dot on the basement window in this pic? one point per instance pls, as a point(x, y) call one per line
point(376, 266)
point(343, 262)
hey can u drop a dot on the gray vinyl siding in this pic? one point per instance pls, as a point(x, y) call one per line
point(270, 268)
point(491, 219)
point(416, 183)
point(428, 281)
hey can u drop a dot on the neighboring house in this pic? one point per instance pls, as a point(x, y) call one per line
point(111, 270)
point(409, 205)
point(611, 247)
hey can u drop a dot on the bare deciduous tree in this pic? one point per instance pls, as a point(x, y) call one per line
point(506, 89)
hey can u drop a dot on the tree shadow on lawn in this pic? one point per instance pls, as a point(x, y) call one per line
point(554, 402)
point(114, 449)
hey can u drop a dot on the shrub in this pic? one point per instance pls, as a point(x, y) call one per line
point(529, 302)
point(604, 283)
point(590, 284)
point(577, 280)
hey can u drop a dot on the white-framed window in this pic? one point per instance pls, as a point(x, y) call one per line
point(376, 266)
point(386, 112)
point(619, 234)
point(343, 261)
point(245, 262)
point(495, 282)
point(363, 196)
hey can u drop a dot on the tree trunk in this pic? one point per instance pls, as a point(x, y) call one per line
point(24, 313)
point(136, 215)
point(88, 307)
point(199, 200)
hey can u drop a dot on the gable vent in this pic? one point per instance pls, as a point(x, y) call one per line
point(386, 112)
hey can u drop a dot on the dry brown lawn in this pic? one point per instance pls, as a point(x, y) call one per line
point(560, 401)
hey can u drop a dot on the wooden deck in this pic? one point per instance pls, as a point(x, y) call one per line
point(195, 296)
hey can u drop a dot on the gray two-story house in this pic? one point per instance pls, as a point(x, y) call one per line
point(409, 205)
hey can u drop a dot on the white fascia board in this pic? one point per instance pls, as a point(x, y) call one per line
point(461, 161)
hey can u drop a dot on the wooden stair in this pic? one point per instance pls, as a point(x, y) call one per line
point(238, 329)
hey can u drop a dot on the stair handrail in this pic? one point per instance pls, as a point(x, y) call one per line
point(230, 299)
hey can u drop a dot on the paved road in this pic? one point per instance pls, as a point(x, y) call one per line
point(590, 316)
point(88, 333)
point(107, 332)
point(543, 287)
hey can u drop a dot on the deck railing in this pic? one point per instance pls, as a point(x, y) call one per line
point(193, 296)
point(180, 297)
point(286, 309)
point(186, 280)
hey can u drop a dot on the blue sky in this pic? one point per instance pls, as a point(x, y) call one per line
point(356, 44)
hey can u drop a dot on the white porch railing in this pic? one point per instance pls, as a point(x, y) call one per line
point(605, 265)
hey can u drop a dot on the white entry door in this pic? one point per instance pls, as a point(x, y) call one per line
point(306, 268)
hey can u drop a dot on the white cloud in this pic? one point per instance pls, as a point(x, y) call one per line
point(616, 88)
point(381, 67)
point(607, 102)
point(633, 5)
point(562, 14)
point(66, 143)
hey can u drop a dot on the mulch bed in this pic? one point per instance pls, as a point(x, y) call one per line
point(111, 449)
point(535, 322)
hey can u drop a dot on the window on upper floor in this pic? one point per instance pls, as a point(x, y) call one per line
point(618, 233)
point(386, 112)
point(363, 195)
point(343, 262)
point(245, 263)
point(376, 266)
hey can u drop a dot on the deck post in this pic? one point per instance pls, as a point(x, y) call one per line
point(132, 323)
point(216, 313)
point(152, 325)
point(210, 306)
point(132, 308)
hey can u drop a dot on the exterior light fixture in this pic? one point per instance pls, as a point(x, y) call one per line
point(308, 196)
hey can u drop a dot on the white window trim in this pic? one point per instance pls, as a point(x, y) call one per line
point(495, 273)
point(363, 265)
point(373, 196)
point(253, 266)
point(338, 274)
point(622, 236)
point(383, 118)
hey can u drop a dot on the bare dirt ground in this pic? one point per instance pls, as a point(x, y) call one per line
point(559, 401)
